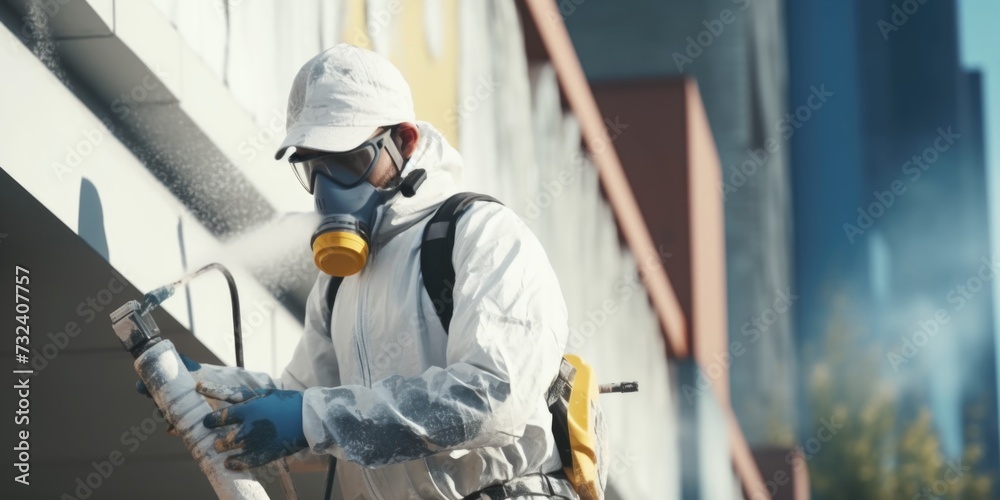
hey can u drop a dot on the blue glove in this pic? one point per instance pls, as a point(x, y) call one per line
point(269, 423)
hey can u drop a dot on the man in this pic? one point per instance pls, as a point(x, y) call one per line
point(410, 410)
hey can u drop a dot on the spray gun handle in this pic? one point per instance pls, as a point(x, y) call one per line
point(173, 388)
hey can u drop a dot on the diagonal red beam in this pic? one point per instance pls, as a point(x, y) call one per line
point(576, 91)
point(578, 95)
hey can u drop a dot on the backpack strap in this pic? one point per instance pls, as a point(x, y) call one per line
point(435, 256)
point(436, 252)
point(331, 293)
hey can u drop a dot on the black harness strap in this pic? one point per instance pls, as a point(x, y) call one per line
point(331, 293)
point(436, 253)
point(435, 256)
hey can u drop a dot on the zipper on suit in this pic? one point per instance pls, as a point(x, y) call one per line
point(363, 349)
point(360, 338)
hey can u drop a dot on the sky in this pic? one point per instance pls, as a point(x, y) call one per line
point(980, 46)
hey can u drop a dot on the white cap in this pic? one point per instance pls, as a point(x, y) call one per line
point(340, 97)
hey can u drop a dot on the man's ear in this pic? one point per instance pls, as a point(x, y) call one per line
point(408, 135)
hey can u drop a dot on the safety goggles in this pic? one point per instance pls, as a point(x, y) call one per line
point(347, 168)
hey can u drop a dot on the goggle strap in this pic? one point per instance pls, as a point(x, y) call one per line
point(390, 146)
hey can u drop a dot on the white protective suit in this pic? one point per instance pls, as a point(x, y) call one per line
point(413, 412)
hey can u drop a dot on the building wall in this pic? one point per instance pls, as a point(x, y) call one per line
point(740, 69)
point(89, 179)
point(129, 234)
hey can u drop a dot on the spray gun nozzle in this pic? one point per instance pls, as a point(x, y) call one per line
point(153, 299)
point(135, 326)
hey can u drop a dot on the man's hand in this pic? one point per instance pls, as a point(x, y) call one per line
point(268, 423)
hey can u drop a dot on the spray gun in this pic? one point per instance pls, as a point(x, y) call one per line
point(173, 388)
point(156, 297)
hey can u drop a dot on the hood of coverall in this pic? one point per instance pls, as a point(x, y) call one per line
point(443, 165)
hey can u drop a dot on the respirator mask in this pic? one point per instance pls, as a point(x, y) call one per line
point(348, 202)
